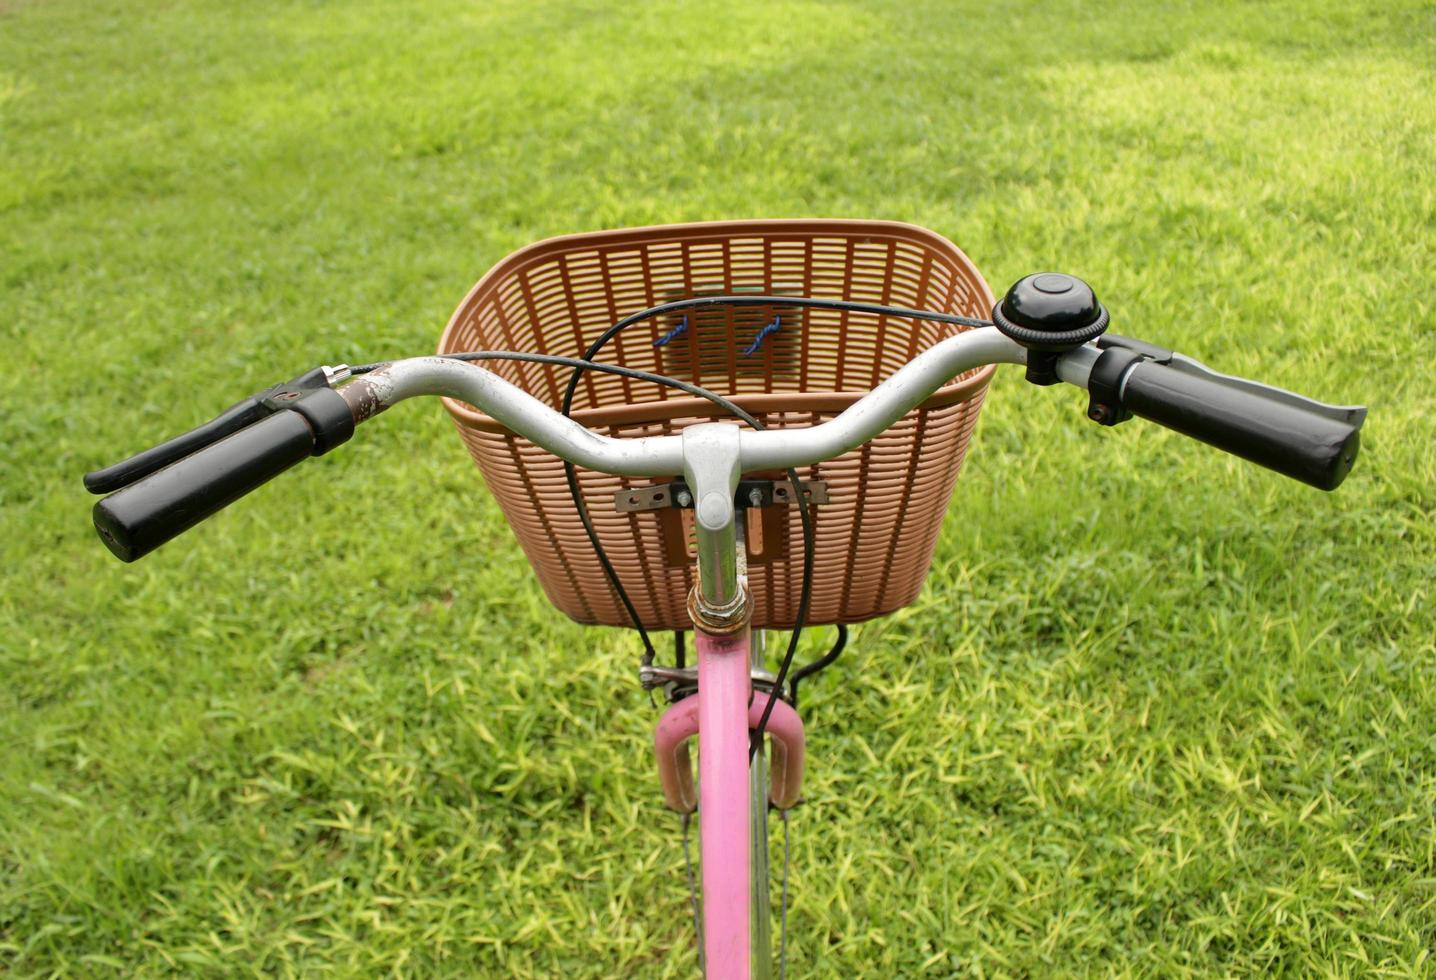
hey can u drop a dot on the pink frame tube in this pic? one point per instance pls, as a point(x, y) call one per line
point(723, 689)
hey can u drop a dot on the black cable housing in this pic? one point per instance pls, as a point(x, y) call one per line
point(582, 509)
point(826, 660)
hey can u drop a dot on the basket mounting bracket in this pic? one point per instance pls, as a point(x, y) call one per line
point(750, 493)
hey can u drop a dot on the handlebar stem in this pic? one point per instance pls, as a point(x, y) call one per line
point(711, 453)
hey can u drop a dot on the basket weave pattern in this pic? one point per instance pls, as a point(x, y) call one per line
point(874, 540)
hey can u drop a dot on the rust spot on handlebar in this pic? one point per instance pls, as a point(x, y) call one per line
point(363, 398)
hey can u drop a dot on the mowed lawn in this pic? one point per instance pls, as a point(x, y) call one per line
point(1158, 712)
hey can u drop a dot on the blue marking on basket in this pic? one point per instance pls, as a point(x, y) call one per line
point(764, 334)
point(675, 332)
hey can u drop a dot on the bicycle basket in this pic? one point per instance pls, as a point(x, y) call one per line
point(874, 538)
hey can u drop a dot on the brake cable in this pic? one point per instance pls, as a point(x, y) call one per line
point(806, 588)
point(586, 363)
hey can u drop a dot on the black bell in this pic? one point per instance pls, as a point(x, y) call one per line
point(1049, 313)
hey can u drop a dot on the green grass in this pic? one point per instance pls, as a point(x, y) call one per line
point(1157, 712)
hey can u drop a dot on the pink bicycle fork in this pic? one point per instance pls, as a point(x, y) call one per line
point(721, 715)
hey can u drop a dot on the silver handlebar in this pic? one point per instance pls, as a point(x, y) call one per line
point(524, 414)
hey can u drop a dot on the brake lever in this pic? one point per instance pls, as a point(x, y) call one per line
point(1191, 366)
point(240, 415)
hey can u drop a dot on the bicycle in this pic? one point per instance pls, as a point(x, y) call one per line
point(724, 524)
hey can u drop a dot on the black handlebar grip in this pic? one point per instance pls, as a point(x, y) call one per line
point(1304, 444)
point(138, 519)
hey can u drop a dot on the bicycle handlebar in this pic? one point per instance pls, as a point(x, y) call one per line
point(663, 455)
point(1301, 438)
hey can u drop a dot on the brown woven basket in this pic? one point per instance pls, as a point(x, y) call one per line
point(875, 538)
